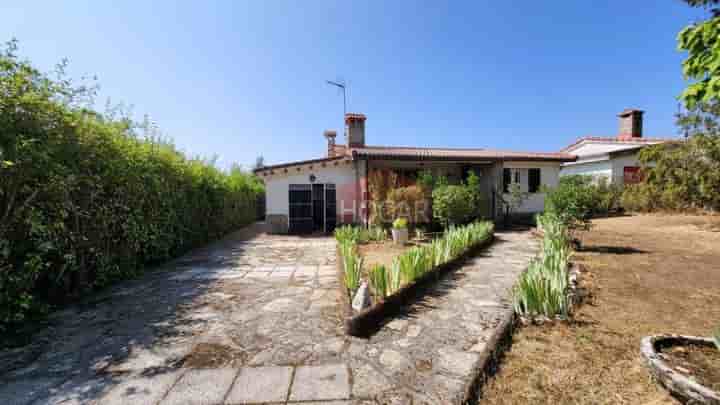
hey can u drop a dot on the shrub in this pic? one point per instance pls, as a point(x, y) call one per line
point(543, 288)
point(407, 202)
point(400, 223)
point(607, 196)
point(373, 233)
point(573, 201)
point(86, 199)
point(452, 205)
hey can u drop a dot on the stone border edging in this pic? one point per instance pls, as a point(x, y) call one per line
point(676, 383)
point(368, 321)
point(490, 357)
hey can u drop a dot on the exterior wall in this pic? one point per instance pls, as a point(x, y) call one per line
point(596, 169)
point(343, 176)
point(549, 175)
point(618, 167)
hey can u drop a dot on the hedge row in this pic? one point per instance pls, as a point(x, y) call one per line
point(85, 200)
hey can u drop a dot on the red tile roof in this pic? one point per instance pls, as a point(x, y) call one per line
point(413, 153)
point(621, 140)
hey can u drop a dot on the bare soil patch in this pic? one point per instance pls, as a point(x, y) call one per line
point(646, 275)
point(701, 363)
point(381, 253)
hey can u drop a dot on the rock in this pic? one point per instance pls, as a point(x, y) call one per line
point(362, 298)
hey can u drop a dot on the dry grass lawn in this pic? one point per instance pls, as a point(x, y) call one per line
point(646, 274)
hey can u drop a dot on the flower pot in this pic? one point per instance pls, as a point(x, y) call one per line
point(673, 379)
point(400, 236)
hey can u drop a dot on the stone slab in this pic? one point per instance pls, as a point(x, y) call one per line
point(201, 387)
point(256, 385)
point(313, 383)
point(142, 390)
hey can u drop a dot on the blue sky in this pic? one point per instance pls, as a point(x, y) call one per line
point(238, 79)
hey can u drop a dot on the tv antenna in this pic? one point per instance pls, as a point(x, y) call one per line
point(342, 86)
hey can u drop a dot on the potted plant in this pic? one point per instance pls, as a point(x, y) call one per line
point(400, 231)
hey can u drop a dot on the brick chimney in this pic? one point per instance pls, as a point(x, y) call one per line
point(330, 135)
point(631, 123)
point(355, 129)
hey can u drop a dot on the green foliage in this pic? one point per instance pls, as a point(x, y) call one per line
point(456, 241)
point(543, 288)
point(607, 196)
point(352, 265)
point(358, 234)
point(379, 280)
point(373, 233)
point(452, 204)
point(88, 198)
point(573, 201)
point(400, 223)
point(347, 233)
point(702, 65)
point(428, 181)
point(679, 176)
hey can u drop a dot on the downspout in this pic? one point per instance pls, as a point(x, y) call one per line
point(367, 190)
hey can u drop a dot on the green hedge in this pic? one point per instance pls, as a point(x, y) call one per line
point(85, 200)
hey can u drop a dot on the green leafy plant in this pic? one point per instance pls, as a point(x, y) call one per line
point(400, 223)
point(543, 288)
point(379, 280)
point(352, 265)
point(89, 198)
point(452, 205)
point(374, 233)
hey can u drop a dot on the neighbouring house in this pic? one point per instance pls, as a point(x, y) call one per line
point(315, 195)
point(612, 158)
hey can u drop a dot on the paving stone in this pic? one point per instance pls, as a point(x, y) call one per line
point(397, 324)
point(81, 390)
point(255, 385)
point(368, 382)
point(414, 331)
point(394, 360)
point(142, 390)
point(457, 362)
point(281, 305)
point(201, 387)
point(312, 383)
point(27, 390)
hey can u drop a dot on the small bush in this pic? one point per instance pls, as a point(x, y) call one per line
point(452, 205)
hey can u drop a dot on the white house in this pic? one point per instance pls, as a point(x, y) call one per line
point(612, 158)
point(315, 195)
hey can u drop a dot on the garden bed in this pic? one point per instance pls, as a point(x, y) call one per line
point(369, 320)
point(642, 274)
point(688, 366)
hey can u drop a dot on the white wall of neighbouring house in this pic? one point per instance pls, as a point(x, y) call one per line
point(597, 169)
point(277, 185)
point(549, 175)
point(597, 148)
point(619, 164)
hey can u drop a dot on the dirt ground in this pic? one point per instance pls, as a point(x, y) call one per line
point(646, 274)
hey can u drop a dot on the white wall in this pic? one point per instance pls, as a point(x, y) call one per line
point(618, 167)
point(549, 175)
point(277, 185)
point(596, 148)
point(597, 169)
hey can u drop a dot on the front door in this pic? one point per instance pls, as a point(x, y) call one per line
point(312, 208)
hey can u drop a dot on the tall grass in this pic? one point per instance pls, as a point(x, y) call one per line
point(543, 288)
point(379, 280)
point(352, 265)
point(419, 260)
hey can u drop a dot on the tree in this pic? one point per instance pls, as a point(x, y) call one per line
point(702, 65)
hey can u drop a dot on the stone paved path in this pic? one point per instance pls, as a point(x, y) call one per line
point(256, 321)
